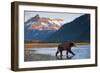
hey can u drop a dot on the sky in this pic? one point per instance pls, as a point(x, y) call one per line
point(67, 17)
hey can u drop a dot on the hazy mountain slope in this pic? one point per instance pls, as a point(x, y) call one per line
point(77, 30)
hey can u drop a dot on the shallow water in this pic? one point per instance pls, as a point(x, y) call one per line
point(81, 52)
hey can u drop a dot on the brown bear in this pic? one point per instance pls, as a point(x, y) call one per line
point(65, 46)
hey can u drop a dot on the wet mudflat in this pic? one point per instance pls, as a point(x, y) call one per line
point(46, 54)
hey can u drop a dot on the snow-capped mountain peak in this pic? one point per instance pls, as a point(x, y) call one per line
point(43, 23)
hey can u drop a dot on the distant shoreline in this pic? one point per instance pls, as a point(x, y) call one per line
point(45, 45)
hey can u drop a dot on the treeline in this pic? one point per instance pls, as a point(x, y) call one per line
point(37, 41)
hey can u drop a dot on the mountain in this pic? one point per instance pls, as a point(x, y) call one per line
point(77, 30)
point(37, 35)
point(39, 28)
point(32, 20)
point(43, 23)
